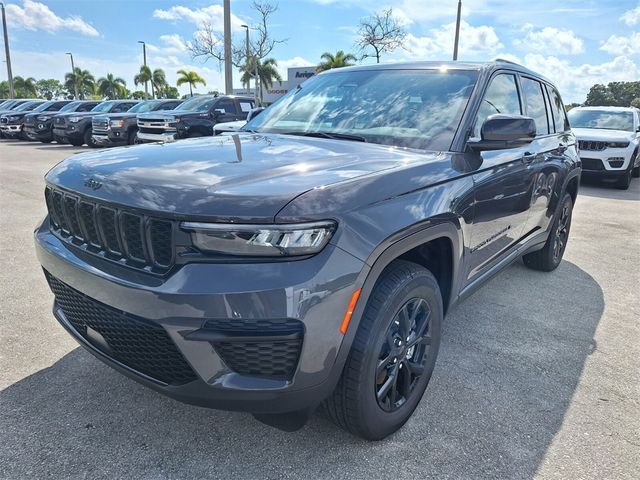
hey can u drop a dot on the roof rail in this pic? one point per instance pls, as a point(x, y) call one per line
point(504, 60)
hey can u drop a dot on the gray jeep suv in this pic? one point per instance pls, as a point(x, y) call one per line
point(310, 258)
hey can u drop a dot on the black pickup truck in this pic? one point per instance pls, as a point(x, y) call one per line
point(39, 125)
point(121, 128)
point(11, 123)
point(75, 128)
point(195, 117)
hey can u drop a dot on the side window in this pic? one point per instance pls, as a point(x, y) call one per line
point(501, 97)
point(535, 104)
point(226, 104)
point(171, 105)
point(121, 107)
point(85, 107)
point(558, 111)
point(246, 106)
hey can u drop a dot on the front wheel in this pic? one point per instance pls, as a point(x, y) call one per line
point(550, 256)
point(393, 353)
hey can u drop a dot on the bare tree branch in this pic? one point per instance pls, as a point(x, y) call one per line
point(383, 32)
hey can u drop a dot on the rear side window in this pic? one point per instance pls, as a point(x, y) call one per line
point(501, 97)
point(246, 106)
point(226, 104)
point(171, 105)
point(557, 110)
point(85, 107)
point(535, 104)
point(122, 107)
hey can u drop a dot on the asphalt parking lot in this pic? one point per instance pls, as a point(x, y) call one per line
point(538, 375)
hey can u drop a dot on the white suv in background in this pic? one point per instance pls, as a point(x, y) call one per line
point(608, 139)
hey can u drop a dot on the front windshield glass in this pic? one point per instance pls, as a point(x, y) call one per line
point(70, 107)
point(601, 119)
point(26, 106)
point(42, 106)
point(143, 107)
point(102, 107)
point(406, 108)
point(6, 104)
point(197, 104)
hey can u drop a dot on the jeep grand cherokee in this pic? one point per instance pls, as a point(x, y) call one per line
point(311, 258)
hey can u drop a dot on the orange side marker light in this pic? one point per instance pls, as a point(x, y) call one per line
point(349, 312)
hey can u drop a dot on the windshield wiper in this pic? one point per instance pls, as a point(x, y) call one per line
point(332, 135)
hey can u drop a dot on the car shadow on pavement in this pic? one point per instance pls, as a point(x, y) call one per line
point(511, 358)
point(602, 189)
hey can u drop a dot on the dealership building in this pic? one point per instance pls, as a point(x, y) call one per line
point(295, 76)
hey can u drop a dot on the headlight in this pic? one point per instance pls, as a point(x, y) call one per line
point(43, 118)
point(618, 144)
point(116, 123)
point(75, 119)
point(13, 118)
point(260, 240)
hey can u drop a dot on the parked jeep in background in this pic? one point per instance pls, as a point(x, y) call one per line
point(11, 123)
point(39, 125)
point(312, 257)
point(40, 119)
point(609, 142)
point(195, 117)
point(75, 128)
point(122, 128)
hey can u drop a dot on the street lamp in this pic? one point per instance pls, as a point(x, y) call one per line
point(144, 57)
point(6, 51)
point(255, 65)
point(73, 73)
point(457, 38)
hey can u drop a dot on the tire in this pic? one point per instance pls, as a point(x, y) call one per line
point(636, 171)
point(550, 256)
point(76, 143)
point(132, 137)
point(624, 181)
point(88, 139)
point(354, 405)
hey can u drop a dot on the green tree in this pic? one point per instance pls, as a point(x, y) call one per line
point(24, 87)
point(83, 80)
point(617, 94)
point(138, 95)
point(267, 73)
point(4, 89)
point(191, 77)
point(112, 87)
point(159, 82)
point(171, 92)
point(145, 75)
point(635, 102)
point(339, 60)
point(50, 88)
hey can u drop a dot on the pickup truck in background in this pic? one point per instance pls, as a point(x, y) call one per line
point(11, 123)
point(196, 117)
point(122, 128)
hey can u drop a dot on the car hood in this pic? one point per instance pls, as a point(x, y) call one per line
point(119, 115)
point(242, 177)
point(601, 134)
point(170, 114)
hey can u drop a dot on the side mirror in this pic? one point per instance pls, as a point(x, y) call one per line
point(502, 131)
point(254, 113)
point(217, 112)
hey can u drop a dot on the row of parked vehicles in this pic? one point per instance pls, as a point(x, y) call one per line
point(122, 122)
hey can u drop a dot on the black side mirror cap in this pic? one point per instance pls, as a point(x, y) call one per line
point(502, 131)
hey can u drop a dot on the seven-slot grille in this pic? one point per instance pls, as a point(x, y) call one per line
point(133, 341)
point(100, 124)
point(592, 145)
point(121, 235)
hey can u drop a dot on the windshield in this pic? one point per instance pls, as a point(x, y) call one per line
point(601, 119)
point(42, 106)
point(70, 107)
point(103, 107)
point(406, 108)
point(26, 106)
point(6, 104)
point(144, 107)
point(197, 104)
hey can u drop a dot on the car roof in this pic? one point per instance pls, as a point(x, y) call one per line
point(607, 108)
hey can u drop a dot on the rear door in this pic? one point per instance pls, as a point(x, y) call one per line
point(227, 110)
point(502, 183)
point(245, 106)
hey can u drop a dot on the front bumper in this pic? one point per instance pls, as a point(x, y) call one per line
point(8, 129)
point(70, 131)
point(157, 137)
point(38, 131)
point(314, 291)
point(109, 138)
point(607, 163)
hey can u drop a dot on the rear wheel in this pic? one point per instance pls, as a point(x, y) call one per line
point(551, 254)
point(132, 138)
point(393, 354)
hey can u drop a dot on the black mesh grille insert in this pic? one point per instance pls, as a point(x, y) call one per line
point(592, 164)
point(272, 351)
point(133, 341)
point(121, 235)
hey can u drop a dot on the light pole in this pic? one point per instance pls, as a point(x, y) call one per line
point(246, 27)
point(455, 44)
point(73, 73)
point(144, 59)
point(6, 51)
point(228, 67)
point(255, 64)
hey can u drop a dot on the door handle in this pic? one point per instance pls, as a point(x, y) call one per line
point(528, 157)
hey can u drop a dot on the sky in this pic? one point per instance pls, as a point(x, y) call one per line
point(575, 43)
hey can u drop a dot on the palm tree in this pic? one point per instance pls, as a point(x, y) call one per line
point(267, 72)
point(191, 78)
point(339, 60)
point(144, 76)
point(159, 82)
point(25, 87)
point(112, 87)
point(83, 80)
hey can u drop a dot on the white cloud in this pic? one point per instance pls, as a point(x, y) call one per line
point(212, 14)
point(283, 65)
point(631, 17)
point(481, 40)
point(550, 40)
point(174, 44)
point(622, 45)
point(37, 16)
point(574, 81)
